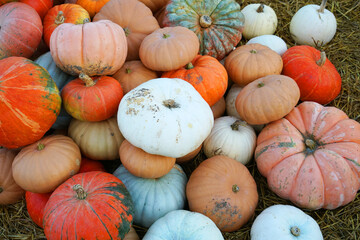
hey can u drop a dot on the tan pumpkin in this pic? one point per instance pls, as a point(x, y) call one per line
point(10, 192)
point(131, 235)
point(131, 16)
point(267, 99)
point(169, 48)
point(218, 108)
point(142, 164)
point(42, 166)
point(132, 74)
point(97, 140)
point(189, 156)
point(250, 62)
point(155, 5)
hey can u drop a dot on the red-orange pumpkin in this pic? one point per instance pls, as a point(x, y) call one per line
point(311, 156)
point(25, 119)
point(91, 205)
point(41, 6)
point(21, 30)
point(88, 165)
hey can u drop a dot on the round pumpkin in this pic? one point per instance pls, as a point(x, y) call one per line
point(25, 119)
point(311, 156)
point(217, 24)
point(35, 204)
point(10, 191)
point(92, 6)
point(134, 17)
point(88, 165)
point(91, 205)
point(222, 189)
point(94, 48)
point(21, 30)
point(206, 74)
point(316, 76)
point(250, 62)
point(267, 99)
point(42, 166)
point(41, 6)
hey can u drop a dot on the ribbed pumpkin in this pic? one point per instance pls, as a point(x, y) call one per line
point(94, 48)
point(64, 13)
point(223, 189)
point(217, 24)
point(316, 76)
point(206, 74)
point(25, 119)
point(131, 16)
point(10, 192)
point(41, 6)
point(21, 30)
point(312, 156)
point(91, 205)
point(92, 6)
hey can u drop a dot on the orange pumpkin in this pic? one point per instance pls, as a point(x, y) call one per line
point(131, 16)
point(41, 6)
point(206, 74)
point(92, 6)
point(223, 189)
point(189, 156)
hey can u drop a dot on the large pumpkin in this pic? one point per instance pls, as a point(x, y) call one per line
point(21, 30)
point(217, 24)
point(91, 205)
point(41, 6)
point(311, 156)
point(25, 119)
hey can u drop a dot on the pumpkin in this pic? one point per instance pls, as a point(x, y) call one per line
point(96, 201)
point(131, 235)
point(311, 156)
point(250, 62)
point(142, 164)
point(206, 74)
point(159, 15)
point(313, 25)
point(231, 137)
point(35, 204)
point(217, 24)
point(132, 74)
point(92, 6)
point(261, 19)
point(42, 166)
point(154, 5)
point(26, 119)
point(158, 111)
point(94, 48)
point(131, 16)
point(10, 191)
point(88, 165)
point(7, 1)
point(41, 6)
point(97, 140)
point(21, 30)
point(153, 198)
point(222, 189)
point(285, 222)
point(316, 76)
point(156, 47)
point(272, 41)
point(189, 156)
point(218, 108)
point(183, 224)
point(267, 99)
point(64, 13)
point(92, 98)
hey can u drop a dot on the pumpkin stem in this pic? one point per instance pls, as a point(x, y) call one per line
point(253, 51)
point(170, 103)
point(260, 8)
point(235, 188)
point(322, 59)
point(237, 123)
point(322, 6)
point(166, 35)
point(60, 19)
point(40, 146)
point(86, 20)
point(205, 21)
point(127, 31)
point(260, 84)
point(189, 66)
point(80, 192)
point(295, 231)
point(310, 144)
point(88, 80)
point(128, 70)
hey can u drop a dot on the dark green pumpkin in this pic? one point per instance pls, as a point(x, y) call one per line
point(217, 23)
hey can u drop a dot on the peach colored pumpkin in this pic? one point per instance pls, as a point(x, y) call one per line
point(311, 156)
point(131, 16)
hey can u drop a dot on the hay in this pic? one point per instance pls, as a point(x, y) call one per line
point(344, 52)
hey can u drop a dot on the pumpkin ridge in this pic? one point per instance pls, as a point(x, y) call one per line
point(54, 208)
point(63, 223)
point(93, 210)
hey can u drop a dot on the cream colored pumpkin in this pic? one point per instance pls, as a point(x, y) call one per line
point(272, 41)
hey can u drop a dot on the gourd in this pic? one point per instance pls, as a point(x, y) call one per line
point(272, 41)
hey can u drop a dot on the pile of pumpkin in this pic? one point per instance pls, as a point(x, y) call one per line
point(154, 95)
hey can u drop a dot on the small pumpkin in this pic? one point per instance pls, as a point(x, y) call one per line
point(41, 6)
point(92, 6)
point(272, 41)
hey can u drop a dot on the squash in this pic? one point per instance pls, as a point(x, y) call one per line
point(92, 6)
point(311, 156)
point(21, 30)
point(272, 41)
point(96, 201)
point(41, 6)
point(155, 117)
point(153, 198)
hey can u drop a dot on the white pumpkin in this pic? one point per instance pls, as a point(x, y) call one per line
point(272, 41)
point(165, 116)
point(231, 137)
point(183, 224)
point(284, 222)
point(260, 19)
point(153, 198)
point(313, 25)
